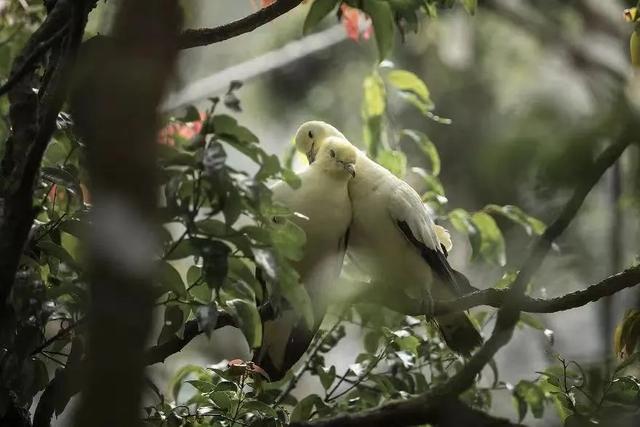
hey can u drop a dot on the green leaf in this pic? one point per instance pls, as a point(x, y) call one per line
point(170, 279)
point(395, 161)
point(58, 252)
point(288, 239)
point(291, 178)
point(327, 376)
point(532, 395)
point(202, 292)
point(248, 318)
point(531, 225)
point(470, 6)
point(624, 391)
point(303, 409)
point(63, 178)
point(408, 343)
point(222, 399)
point(270, 166)
point(232, 207)
point(407, 81)
point(201, 386)
point(492, 246)
point(373, 107)
point(461, 220)
point(318, 10)
point(213, 227)
point(382, 20)
point(428, 148)
point(227, 125)
point(260, 407)
point(374, 96)
point(183, 249)
point(191, 114)
point(532, 321)
point(371, 341)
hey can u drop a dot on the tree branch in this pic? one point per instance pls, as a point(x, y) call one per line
point(445, 412)
point(207, 36)
point(497, 297)
point(160, 352)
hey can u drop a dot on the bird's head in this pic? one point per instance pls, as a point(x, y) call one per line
point(337, 155)
point(311, 135)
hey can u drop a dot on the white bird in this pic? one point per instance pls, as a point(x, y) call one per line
point(323, 201)
point(394, 240)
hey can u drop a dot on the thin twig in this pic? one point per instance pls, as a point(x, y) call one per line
point(207, 36)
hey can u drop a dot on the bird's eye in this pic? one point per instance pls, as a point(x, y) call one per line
point(310, 134)
point(332, 153)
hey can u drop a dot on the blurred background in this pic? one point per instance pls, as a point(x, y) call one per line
point(531, 89)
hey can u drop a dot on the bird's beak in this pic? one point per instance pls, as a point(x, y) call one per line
point(311, 156)
point(351, 168)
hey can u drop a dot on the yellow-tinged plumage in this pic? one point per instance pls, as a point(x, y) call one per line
point(394, 240)
point(323, 202)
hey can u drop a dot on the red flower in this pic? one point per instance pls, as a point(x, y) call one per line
point(350, 17)
point(168, 134)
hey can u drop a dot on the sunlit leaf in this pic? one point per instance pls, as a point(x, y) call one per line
point(395, 161)
point(492, 245)
point(407, 81)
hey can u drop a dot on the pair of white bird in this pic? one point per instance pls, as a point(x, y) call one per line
point(353, 204)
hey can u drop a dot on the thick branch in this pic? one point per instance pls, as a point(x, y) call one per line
point(207, 36)
point(444, 412)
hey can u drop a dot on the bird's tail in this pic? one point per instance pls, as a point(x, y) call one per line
point(459, 333)
point(284, 342)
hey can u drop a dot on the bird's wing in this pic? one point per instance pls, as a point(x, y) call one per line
point(412, 219)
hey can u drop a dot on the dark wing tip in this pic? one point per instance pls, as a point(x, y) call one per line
point(438, 262)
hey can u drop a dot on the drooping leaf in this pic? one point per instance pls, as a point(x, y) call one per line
point(248, 318)
point(215, 255)
point(428, 148)
point(327, 376)
point(492, 246)
point(393, 160)
point(470, 6)
point(303, 409)
point(170, 279)
point(406, 81)
point(531, 225)
point(318, 10)
point(382, 19)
